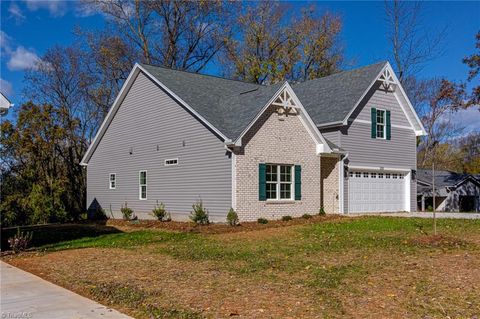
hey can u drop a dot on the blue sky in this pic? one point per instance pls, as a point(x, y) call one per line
point(29, 28)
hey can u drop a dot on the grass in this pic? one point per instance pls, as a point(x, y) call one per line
point(325, 268)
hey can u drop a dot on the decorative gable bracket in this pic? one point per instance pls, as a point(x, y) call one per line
point(388, 80)
point(285, 104)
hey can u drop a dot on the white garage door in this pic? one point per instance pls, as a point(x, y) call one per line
point(370, 191)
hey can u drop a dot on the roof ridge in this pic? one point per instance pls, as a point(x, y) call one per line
point(344, 71)
point(200, 74)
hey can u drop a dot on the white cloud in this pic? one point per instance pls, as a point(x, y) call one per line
point(6, 87)
point(468, 119)
point(16, 12)
point(5, 43)
point(55, 7)
point(23, 59)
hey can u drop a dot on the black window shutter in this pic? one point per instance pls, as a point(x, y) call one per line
point(298, 182)
point(388, 126)
point(262, 181)
point(374, 122)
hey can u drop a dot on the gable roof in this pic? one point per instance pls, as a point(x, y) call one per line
point(331, 98)
point(228, 107)
point(444, 178)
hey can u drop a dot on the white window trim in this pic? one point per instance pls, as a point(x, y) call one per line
point(140, 185)
point(278, 182)
point(384, 124)
point(110, 180)
point(171, 159)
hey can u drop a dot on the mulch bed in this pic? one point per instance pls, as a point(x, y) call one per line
point(216, 228)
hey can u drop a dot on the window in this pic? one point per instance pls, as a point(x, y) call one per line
point(142, 184)
point(358, 174)
point(279, 181)
point(373, 175)
point(380, 175)
point(365, 175)
point(351, 174)
point(387, 175)
point(380, 123)
point(400, 176)
point(113, 181)
point(172, 161)
point(394, 176)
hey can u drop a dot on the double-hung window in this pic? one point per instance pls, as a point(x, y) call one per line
point(279, 180)
point(381, 123)
point(113, 181)
point(142, 182)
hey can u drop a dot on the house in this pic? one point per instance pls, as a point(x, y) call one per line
point(5, 104)
point(453, 191)
point(345, 142)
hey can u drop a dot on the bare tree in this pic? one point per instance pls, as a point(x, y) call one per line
point(184, 35)
point(412, 43)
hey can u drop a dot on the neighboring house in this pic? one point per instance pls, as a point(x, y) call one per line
point(345, 142)
point(453, 191)
point(5, 104)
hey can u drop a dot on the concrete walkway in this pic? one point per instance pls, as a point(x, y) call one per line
point(24, 295)
point(426, 215)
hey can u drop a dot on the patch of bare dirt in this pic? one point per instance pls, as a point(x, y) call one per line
point(216, 228)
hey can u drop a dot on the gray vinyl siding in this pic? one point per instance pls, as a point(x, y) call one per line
point(331, 134)
point(381, 100)
point(400, 152)
point(155, 127)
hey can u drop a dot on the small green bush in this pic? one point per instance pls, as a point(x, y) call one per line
point(159, 212)
point(262, 221)
point(20, 241)
point(321, 211)
point(429, 208)
point(286, 218)
point(127, 212)
point(306, 216)
point(199, 215)
point(232, 217)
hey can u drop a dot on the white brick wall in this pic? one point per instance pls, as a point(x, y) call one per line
point(272, 140)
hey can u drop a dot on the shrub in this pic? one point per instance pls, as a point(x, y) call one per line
point(127, 212)
point(321, 211)
point(262, 221)
point(286, 218)
point(232, 217)
point(20, 241)
point(306, 216)
point(160, 212)
point(199, 215)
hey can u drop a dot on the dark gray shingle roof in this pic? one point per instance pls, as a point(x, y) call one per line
point(231, 105)
point(331, 98)
point(442, 178)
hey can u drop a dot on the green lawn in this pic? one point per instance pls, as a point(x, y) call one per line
point(328, 268)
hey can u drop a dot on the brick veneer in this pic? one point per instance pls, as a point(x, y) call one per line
point(329, 184)
point(280, 140)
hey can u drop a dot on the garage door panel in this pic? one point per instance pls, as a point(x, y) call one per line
point(371, 192)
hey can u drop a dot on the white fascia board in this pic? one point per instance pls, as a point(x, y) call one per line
point(128, 82)
point(111, 113)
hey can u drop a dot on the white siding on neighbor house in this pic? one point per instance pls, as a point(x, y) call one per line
point(155, 127)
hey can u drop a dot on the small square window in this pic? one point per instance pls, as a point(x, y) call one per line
point(351, 174)
point(387, 175)
point(380, 175)
point(365, 175)
point(358, 174)
point(113, 181)
point(394, 176)
point(373, 175)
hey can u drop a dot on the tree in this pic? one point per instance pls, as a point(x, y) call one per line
point(473, 62)
point(439, 98)
point(183, 35)
point(412, 45)
point(270, 47)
